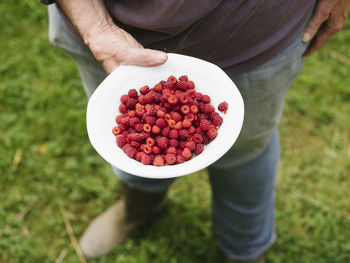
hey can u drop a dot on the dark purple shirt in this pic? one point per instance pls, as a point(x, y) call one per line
point(237, 35)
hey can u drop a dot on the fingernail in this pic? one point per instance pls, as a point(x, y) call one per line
point(161, 56)
point(306, 37)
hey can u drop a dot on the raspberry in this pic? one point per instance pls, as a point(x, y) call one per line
point(170, 158)
point(205, 124)
point(131, 151)
point(149, 98)
point(150, 120)
point(147, 127)
point(172, 100)
point(183, 78)
point(122, 108)
point(212, 132)
point(179, 159)
point(197, 138)
point(162, 142)
point(135, 144)
point(155, 129)
point(146, 159)
point(126, 146)
point(206, 140)
point(131, 113)
point(186, 153)
point(216, 119)
point(121, 141)
point(186, 123)
point(172, 79)
point(191, 130)
point(136, 137)
point(124, 98)
point(184, 134)
point(205, 98)
point(156, 150)
point(207, 108)
point(171, 150)
point(190, 84)
point(133, 93)
point(182, 85)
point(139, 127)
point(158, 87)
point(160, 114)
point(165, 131)
point(147, 149)
point(173, 143)
point(178, 125)
point(167, 117)
point(150, 141)
point(179, 151)
point(189, 117)
point(125, 121)
point(176, 116)
point(116, 130)
point(185, 109)
point(144, 90)
point(161, 123)
point(133, 121)
point(190, 145)
point(182, 145)
point(223, 106)
point(171, 123)
point(131, 103)
point(138, 156)
point(119, 118)
point(142, 100)
point(194, 109)
point(173, 134)
point(199, 148)
point(158, 161)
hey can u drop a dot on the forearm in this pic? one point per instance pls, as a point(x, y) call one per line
point(90, 17)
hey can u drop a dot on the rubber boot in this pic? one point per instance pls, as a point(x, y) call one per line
point(114, 226)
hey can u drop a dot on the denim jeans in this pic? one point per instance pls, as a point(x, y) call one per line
point(243, 180)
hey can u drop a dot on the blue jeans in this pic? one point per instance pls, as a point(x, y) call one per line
point(243, 180)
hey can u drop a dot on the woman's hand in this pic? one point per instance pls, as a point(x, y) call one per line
point(329, 18)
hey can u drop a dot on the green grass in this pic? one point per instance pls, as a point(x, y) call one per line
point(46, 161)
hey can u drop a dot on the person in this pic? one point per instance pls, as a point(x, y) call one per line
point(259, 44)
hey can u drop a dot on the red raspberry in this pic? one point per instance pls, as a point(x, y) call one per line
point(133, 121)
point(160, 113)
point(126, 146)
point(216, 118)
point(130, 104)
point(168, 85)
point(206, 140)
point(176, 116)
point(173, 143)
point(133, 93)
point(142, 100)
point(156, 150)
point(199, 148)
point(179, 151)
point(155, 129)
point(158, 161)
point(194, 109)
point(191, 130)
point(139, 127)
point(190, 145)
point(162, 142)
point(186, 153)
point(165, 131)
point(189, 117)
point(205, 98)
point(182, 145)
point(167, 106)
point(190, 84)
point(183, 78)
point(172, 100)
point(157, 97)
point(116, 130)
point(171, 123)
point(186, 123)
point(150, 120)
point(223, 106)
point(207, 108)
point(146, 159)
point(178, 125)
point(150, 141)
point(173, 134)
point(171, 150)
point(205, 124)
point(131, 151)
point(119, 118)
point(185, 109)
point(124, 98)
point(136, 137)
point(131, 113)
point(170, 158)
point(197, 138)
point(125, 121)
point(138, 156)
point(123, 108)
point(172, 79)
point(135, 144)
point(182, 85)
point(179, 159)
point(147, 127)
point(144, 90)
point(161, 123)
point(158, 87)
point(149, 98)
point(184, 134)
point(212, 132)
point(139, 111)
point(147, 149)
point(121, 141)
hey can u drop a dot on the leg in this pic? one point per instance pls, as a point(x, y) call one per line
point(243, 180)
point(92, 74)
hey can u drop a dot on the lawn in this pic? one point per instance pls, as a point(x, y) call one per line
point(48, 167)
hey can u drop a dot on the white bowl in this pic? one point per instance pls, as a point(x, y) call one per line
point(208, 78)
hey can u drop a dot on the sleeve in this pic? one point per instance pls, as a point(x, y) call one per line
point(47, 2)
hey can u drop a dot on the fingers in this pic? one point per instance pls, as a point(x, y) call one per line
point(143, 57)
point(322, 13)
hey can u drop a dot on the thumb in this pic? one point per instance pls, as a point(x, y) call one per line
point(144, 57)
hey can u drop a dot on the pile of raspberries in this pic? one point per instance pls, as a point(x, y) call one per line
point(169, 123)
